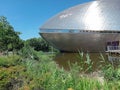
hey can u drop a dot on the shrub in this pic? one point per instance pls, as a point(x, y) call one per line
point(28, 52)
point(6, 61)
point(111, 73)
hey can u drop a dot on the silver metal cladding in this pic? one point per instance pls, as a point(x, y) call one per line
point(86, 26)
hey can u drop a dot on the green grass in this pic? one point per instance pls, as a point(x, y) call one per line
point(6, 61)
point(44, 74)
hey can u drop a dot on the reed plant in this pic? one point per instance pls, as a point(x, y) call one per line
point(85, 61)
point(110, 72)
point(44, 74)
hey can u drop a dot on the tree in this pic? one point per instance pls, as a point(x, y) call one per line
point(9, 39)
point(38, 44)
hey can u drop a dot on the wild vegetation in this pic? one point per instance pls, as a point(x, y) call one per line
point(43, 74)
point(29, 68)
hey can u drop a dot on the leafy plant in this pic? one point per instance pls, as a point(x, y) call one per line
point(6, 61)
point(28, 52)
point(85, 63)
point(111, 73)
point(9, 39)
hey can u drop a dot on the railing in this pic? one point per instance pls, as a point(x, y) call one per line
point(113, 48)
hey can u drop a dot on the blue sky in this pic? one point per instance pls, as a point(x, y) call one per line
point(26, 16)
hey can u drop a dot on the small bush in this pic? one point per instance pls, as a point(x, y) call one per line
point(111, 73)
point(28, 52)
point(6, 61)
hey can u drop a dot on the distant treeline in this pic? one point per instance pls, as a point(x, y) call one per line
point(39, 44)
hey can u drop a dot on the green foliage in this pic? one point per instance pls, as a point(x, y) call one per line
point(44, 74)
point(10, 69)
point(85, 63)
point(28, 52)
point(111, 73)
point(38, 44)
point(9, 39)
point(9, 77)
point(6, 61)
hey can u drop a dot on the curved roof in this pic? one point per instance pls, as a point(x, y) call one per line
point(95, 15)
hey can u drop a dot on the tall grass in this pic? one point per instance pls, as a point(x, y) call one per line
point(44, 74)
point(87, 62)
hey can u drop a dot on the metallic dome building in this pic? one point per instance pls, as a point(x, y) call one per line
point(87, 27)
